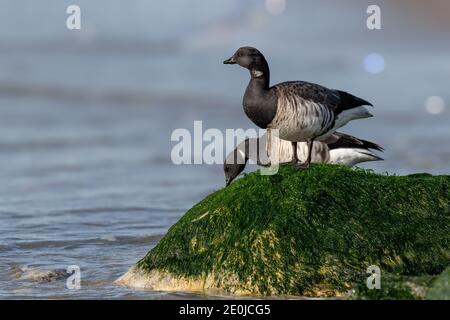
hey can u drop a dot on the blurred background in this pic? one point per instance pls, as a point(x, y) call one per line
point(86, 115)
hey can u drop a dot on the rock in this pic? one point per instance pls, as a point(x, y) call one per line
point(305, 233)
point(440, 288)
point(36, 274)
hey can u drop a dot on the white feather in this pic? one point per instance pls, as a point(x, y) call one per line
point(351, 156)
point(345, 117)
point(280, 151)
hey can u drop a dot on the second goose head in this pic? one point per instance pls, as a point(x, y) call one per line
point(234, 165)
point(251, 59)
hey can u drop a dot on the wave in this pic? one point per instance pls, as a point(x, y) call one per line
point(91, 210)
point(103, 240)
point(99, 46)
point(114, 96)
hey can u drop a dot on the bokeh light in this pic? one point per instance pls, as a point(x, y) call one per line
point(275, 6)
point(374, 63)
point(434, 105)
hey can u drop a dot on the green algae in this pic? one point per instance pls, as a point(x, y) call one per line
point(440, 287)
point(398, 287)
point(313, 233)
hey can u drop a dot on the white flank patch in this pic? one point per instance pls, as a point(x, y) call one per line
point(351, 156)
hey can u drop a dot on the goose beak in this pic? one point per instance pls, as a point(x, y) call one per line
point(232, 60)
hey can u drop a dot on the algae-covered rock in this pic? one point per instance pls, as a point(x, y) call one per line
point(305, 232)
point(398, 287)
point(440, 287)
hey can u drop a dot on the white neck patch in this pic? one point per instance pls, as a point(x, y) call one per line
point(257, 73)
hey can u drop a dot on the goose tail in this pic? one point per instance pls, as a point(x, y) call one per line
point(342, 140)
point(345, 117)
point(349, 101)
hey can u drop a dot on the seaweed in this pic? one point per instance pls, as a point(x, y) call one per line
point(312, 233)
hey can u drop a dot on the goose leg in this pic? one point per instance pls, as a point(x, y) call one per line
point(310, 148)
point(263, 159)
point(296, 162)
point(294, 153)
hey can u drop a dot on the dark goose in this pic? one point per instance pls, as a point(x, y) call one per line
point(301, 111)
point(341, 149)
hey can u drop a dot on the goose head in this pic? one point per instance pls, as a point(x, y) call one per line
point(234, 165)
point(249, 58)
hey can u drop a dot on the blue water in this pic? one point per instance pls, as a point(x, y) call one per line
point(86, 117)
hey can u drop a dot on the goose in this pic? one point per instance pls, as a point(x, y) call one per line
point(300, 110)
point(341, 149)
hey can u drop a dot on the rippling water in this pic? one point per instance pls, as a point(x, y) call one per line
point(86, 118)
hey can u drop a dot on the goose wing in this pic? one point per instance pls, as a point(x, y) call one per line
point(335, 100)
point(342, 140)
point(310, 92)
